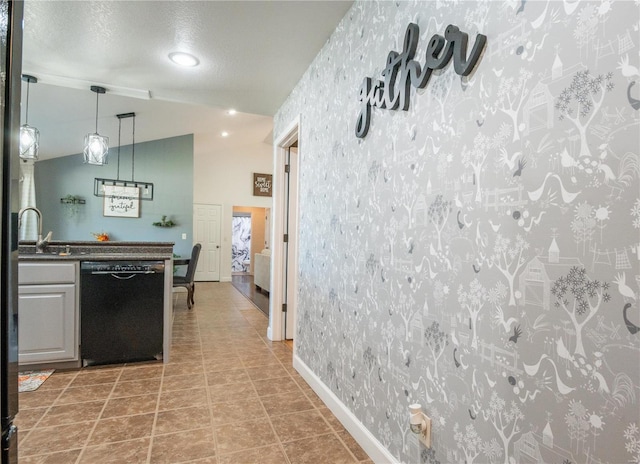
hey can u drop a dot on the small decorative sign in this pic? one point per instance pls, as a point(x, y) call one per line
point(402, 71)
point(121, 201)
point(262, 185)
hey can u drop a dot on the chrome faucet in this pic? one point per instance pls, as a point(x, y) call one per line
point(40, 243)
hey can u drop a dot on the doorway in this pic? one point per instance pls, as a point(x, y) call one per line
point(241, 243)
point(282, 322)
point(250, 254)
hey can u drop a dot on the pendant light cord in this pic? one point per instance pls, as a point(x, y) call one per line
point(97, 95)
point(26, 122)
point(119, 132)
point(133, 148)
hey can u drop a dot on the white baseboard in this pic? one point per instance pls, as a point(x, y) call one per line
point(225, 279)
point(269, 334)
point(376, 451)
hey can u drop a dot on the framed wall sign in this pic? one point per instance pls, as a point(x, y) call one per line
point(262, 185)
point(121, 201)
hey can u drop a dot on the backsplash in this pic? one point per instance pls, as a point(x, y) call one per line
point(478, 253)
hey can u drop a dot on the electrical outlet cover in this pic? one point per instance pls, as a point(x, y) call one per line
point(425, 436)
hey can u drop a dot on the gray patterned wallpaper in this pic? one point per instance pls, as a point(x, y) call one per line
point(479, 253)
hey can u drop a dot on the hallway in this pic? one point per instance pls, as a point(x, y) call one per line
point(229, 396)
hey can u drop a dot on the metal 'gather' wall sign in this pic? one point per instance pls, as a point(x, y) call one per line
point(402, 71)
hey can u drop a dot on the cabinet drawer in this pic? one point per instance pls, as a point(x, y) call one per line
point(46, 273)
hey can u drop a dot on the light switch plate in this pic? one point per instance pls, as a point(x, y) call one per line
point(184, 236)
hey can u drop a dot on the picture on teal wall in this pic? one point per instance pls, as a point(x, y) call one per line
point(121, 201)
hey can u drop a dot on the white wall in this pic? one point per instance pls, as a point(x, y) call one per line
point(224, 175)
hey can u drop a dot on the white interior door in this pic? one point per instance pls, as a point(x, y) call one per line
point(207, 221)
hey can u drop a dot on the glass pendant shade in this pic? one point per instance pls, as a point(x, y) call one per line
point(96, 146)
point(29, 136)
point(96, 149)
point(29, 142)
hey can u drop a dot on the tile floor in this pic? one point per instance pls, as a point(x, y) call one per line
point(229, 396)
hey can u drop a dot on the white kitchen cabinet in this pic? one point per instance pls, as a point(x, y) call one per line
point(47, 312)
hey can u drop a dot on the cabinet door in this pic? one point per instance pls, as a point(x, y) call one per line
point(46, 323)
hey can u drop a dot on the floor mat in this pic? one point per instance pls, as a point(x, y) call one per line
point(30, 380)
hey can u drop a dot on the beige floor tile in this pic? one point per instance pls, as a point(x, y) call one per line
point(58, 380)
point(259, 361)
point(130, 405)
point(71, 413)
point(137, 387)
point(183, 368)
point(353, 446)
point(184, 357)
point(214, 350)
point(285, 403)
point(209, 460)
point(62, 457)
point(181, 419)
point(26, 419)
point(85, 394)
point(53, 439)
point(326, 447)
point(141, 372)
point(182, 446)
point(183, 382)
point(38, 398)
point(244, 435)
point(229, 376)
point(275, 386)
point(332, 420)
point(235, 411)
point(267, 455)
point(129, 452)
point(222, 364)
point(96, 376)
point(122, 428)
point(183, 399)
point(231, 392)
point(270, 372)
point(290, 427)
point(186, 351)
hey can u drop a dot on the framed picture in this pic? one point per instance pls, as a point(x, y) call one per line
point(262, 185)
point(121, 201)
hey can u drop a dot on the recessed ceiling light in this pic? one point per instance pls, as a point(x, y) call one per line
point(231, 112)
point(184, 59)
point(225, 134)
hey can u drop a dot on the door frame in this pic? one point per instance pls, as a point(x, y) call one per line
point(275, 331)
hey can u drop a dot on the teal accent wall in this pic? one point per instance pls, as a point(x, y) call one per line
point(167, 163)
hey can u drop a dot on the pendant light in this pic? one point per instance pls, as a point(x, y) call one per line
point(29, 136)
point(144, 190)
point(96, 146)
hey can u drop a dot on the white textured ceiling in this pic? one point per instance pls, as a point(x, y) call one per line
point(251, 54)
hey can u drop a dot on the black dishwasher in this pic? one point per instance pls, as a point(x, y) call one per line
point(121, 311)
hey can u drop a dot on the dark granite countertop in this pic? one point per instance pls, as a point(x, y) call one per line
point(96, 251)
